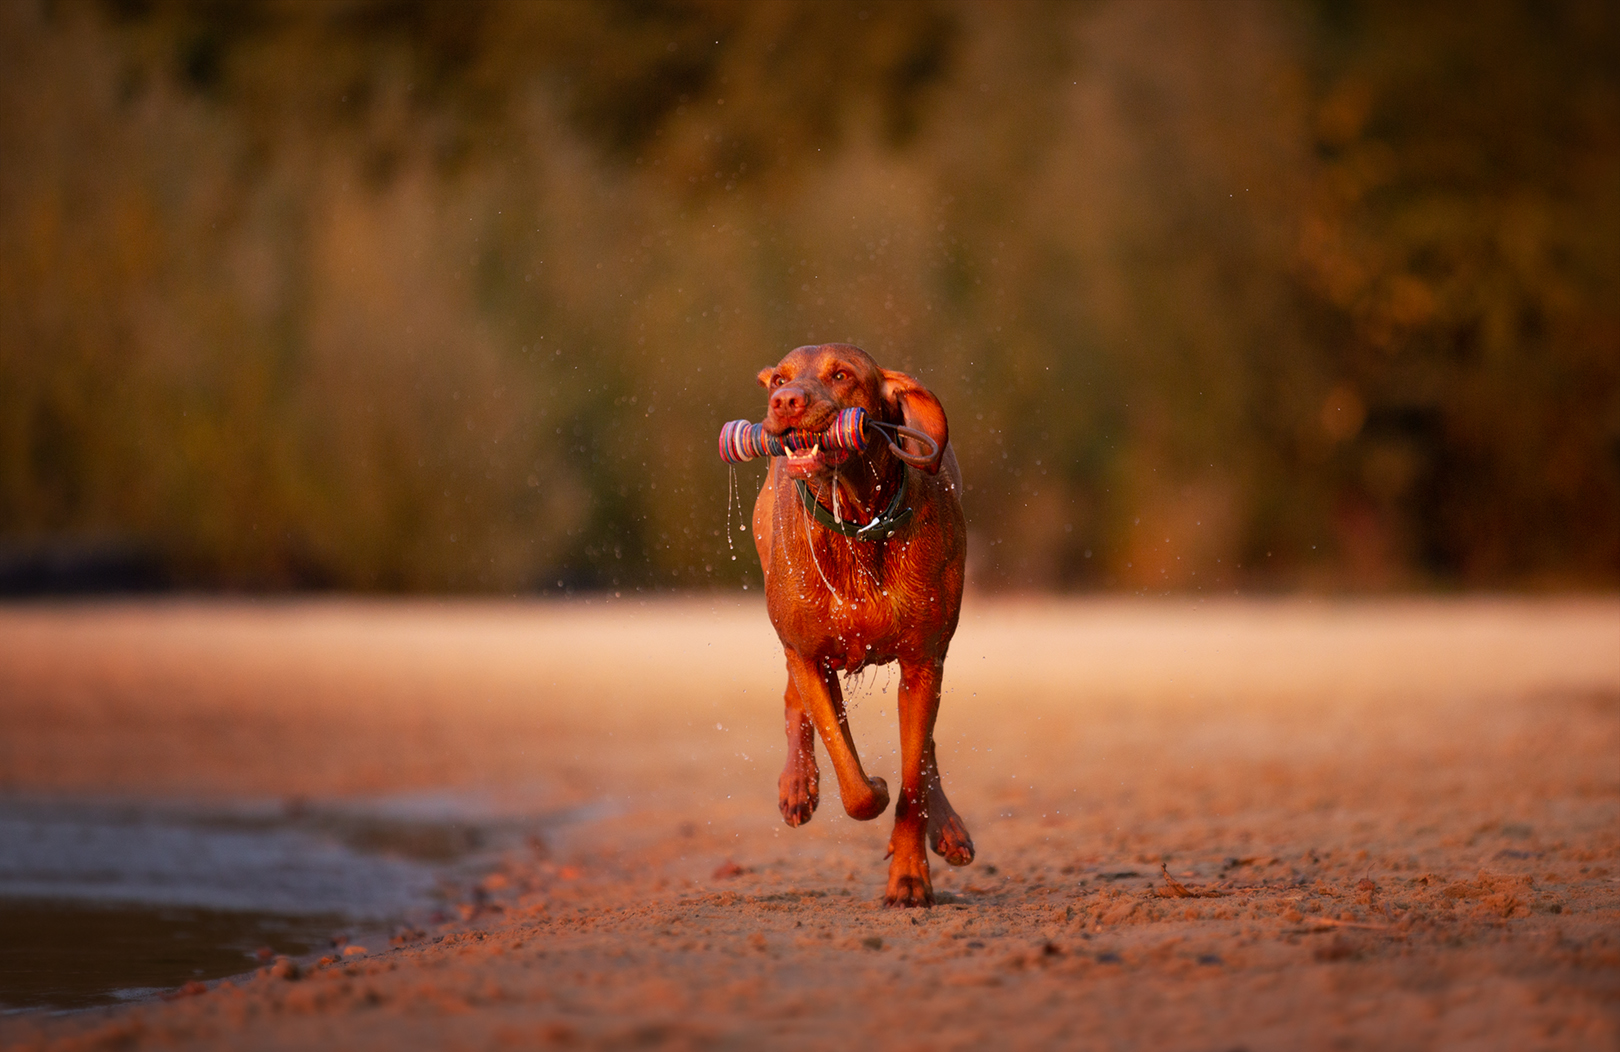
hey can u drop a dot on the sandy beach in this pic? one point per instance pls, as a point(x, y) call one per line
point(1279, 824)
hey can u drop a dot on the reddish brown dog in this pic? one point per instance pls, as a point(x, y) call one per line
point(889, 593)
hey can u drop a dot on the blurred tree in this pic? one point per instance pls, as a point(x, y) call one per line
point(1461, 240)
point(423, 295)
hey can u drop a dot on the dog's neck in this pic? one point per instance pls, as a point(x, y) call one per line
point(864, 485)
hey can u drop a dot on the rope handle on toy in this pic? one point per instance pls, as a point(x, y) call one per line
point(742, 440)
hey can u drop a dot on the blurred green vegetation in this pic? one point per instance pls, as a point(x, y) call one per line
point(395, 295)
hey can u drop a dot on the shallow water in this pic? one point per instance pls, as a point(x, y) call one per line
point(72, 954)
point(103, 900)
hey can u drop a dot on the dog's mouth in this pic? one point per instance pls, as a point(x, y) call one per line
point(813, 461)
point(819, 458)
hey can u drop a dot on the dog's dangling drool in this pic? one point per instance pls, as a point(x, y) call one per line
point(731, 494)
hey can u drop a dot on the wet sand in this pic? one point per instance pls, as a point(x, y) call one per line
point(1262, 825)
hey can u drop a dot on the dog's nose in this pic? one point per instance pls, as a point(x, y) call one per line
point(788, 403)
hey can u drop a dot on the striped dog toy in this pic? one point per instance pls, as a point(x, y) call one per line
point(741, 440)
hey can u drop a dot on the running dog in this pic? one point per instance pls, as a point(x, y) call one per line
point(863, 555)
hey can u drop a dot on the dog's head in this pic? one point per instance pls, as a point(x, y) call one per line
point(809, 386)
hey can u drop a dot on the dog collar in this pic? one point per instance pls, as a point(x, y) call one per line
point(881, 528)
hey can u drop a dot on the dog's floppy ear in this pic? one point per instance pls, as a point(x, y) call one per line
point(918, 407)
point(765, 376)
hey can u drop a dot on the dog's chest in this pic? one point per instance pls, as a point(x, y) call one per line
point(851, 610)
point(861, 630)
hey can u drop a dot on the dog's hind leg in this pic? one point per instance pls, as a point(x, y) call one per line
point(799, 788)
point(864, 798)
point(908, 863)
point(947, 833)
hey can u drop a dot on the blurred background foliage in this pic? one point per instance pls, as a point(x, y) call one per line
point(375, 294)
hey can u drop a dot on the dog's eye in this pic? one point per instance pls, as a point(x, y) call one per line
point(776, 381)
point(840, 376)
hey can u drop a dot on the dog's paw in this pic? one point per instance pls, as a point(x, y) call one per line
point(873, 804)
point(798, 794)
point(950, 840)
point(908, 889)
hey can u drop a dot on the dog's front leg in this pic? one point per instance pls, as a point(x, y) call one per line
point(919, 706)
point(864, 798)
